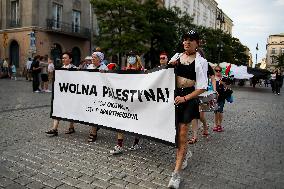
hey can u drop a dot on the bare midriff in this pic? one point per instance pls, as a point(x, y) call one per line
point(184, 82)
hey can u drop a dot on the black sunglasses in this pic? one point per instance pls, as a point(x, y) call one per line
point(162, 58)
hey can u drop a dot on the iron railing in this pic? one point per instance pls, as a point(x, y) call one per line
point(67, 28)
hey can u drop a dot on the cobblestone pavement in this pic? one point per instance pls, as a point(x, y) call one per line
point(248, 154)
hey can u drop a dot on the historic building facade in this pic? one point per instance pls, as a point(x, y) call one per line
point(31, 27)
point(274, 48)
point(204, 12)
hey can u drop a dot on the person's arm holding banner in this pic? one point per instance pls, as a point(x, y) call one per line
point(67, 64)
point(133, 63)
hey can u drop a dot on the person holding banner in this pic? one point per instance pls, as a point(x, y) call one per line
point(97, 64)
point(66, 60)
point(191, 76)
point(163, 59)
point(133, 63)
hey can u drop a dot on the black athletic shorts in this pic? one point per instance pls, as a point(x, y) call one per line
point(44, 77)
point(189, 110)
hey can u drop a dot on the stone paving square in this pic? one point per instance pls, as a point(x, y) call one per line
point(248, 154)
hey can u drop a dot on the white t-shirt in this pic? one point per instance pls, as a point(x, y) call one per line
point(69, 66)
point(50, 67)
point(273, 76)
point(101, 67)
point(28, 64)
point(91, 67)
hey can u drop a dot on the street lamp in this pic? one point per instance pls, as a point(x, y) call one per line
point(220, 49)
point(220, 17)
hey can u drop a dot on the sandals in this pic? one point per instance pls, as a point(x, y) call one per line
point(218, 128)
point(53, 132)
point(205, 133)
point(92, 138)
point(70, 131)
point(192, 141)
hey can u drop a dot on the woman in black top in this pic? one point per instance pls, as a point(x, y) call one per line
point(191, 72)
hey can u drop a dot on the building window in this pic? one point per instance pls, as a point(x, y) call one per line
point(15, 13)
point(273, 51)
point(57, 15)
point(273, 60)
point(76, 21)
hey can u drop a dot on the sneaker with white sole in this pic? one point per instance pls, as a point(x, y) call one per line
point(174, 181)
point(117, 150)
point(134, 147)
point(187, 156)
point(47, 91)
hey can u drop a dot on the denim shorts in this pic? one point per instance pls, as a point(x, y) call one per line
point(220, 107)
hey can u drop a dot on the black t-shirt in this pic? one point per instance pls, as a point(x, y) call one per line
point(223, 93)
point(210, 71)
point(35, 64)
point(278, 77)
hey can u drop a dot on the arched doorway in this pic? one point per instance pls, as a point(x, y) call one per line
point(56, 52)
point(14, 53)
point(76, 53)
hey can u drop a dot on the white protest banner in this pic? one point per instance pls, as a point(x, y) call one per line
point(135, 103)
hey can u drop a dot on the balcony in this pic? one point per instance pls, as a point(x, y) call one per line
point(68, 29)
point(14, 23)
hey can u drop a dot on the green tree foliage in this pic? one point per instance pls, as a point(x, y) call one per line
point(232, 50)
point(280, 61)
point(122, 26)
point(162, 23)
point(149, 29)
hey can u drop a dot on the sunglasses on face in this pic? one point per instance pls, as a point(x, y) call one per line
point(162, 58)
point(217, 70)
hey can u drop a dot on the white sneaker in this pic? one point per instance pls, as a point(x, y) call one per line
point(134, 147)
point(117, 150)
point(47, 91)
point(185, 160)
point(175, 181)
point(37, 91)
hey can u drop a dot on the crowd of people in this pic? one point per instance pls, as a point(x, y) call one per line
point(274, 80)
point(40, 72)
point(193, 76)
point(7, 70)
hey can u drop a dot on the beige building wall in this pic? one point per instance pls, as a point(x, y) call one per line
point(228, 25)
point(33, 15)
point(247, 52)
point(274, 48)
point(44, 43)
point(203, 12)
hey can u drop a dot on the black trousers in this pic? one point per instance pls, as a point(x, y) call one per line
point(35, 81)
point(272, 83)
point(277, 86)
